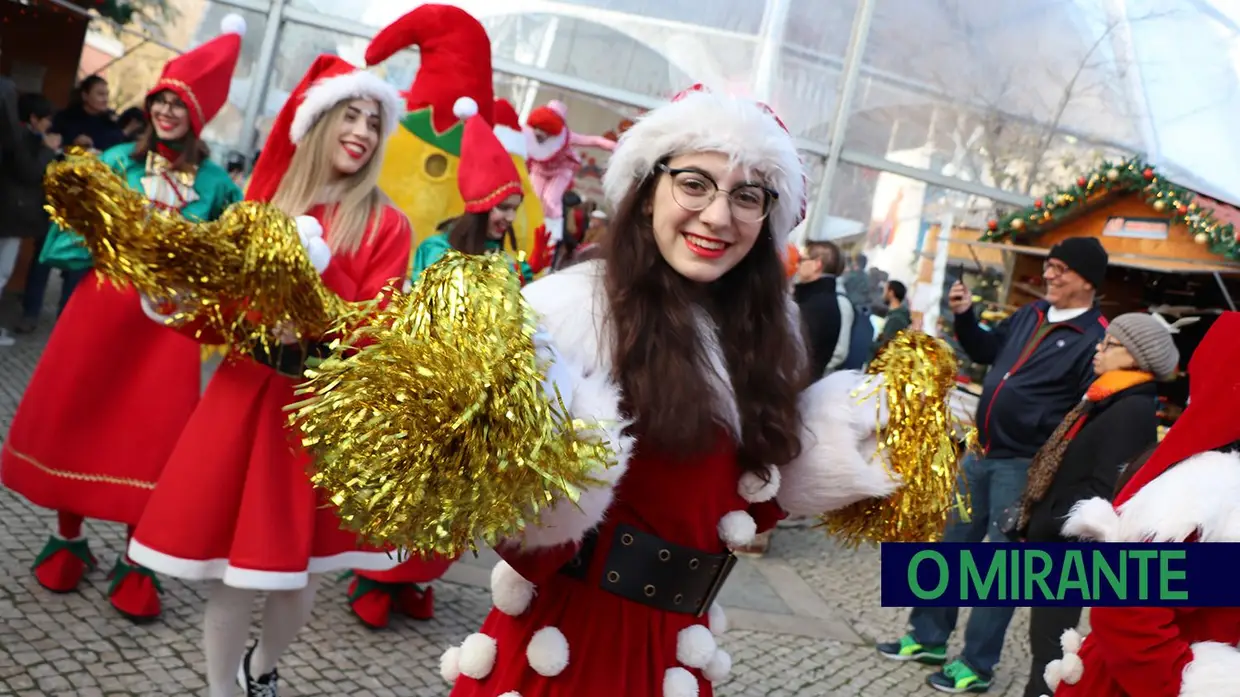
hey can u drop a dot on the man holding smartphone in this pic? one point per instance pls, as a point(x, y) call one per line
point(1041, 361)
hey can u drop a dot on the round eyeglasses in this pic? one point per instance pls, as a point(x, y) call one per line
point(694, 190)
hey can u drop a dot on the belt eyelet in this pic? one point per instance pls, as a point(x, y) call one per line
point(678, 599)
point(626, 539)
point(694, 564)
point(649, 591)
point(613, 576)
point(664, 555)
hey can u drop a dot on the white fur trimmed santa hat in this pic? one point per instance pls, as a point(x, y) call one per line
point(329, 81)
point(698, 120)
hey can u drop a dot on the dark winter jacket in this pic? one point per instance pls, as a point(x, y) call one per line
point(24, 215)
point(73, 121)
point(897, 321)
point(1116, 431)
point(820, 313)
point(1027, 393)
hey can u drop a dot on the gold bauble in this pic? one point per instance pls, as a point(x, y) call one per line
point(1160, 206)
point(1018, 224)
point(1201, 238)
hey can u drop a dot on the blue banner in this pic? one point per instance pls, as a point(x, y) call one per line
point(1072, 575)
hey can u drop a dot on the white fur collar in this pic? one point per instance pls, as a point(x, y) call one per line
point(1199, 495)
point(572, 307)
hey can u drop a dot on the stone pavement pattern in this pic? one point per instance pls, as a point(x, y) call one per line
point(804, 618)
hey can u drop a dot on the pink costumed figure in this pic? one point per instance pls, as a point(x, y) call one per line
point(552, 160)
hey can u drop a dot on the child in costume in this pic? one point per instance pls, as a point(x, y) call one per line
point(685, 332)
point(554, 161)
point(1185, 492)
point(96, 425)
point(236, 504)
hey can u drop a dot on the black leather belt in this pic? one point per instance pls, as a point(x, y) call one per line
point(289, 359)
point(649, 570)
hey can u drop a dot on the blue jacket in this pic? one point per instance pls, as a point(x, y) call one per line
point(1028, 392)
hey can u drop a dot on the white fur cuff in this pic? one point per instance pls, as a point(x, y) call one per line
point(1213, 672)
point(1093, 519)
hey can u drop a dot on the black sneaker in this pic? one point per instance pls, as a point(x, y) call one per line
point(908, 649)
point(957, 678)
point(264, 685)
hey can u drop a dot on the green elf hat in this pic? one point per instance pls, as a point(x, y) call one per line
point(456, 67)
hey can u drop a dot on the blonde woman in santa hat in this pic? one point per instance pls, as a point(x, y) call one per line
point(490, 184)
point(1186, 491)
point(114, 389)
point(684, 331)
point(236, 505)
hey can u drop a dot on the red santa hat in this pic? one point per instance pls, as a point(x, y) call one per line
point(551, 118)
point(201, 77)
point(329, 81)
point(487, 174)
point(508, 128)
point(698, 120)
point(455, 66)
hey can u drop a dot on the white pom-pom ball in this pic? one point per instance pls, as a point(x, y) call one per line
point(1071, 641)
point(465, 107)
point(510, 592)
point(695, 646)
point(233, 23)
point(719, 668)
point(477, 656)
point(1073, 668)
point(450, 664)
point(548, 652)
point(737, 529)
point(308, 227)
point(678, 682)
point(717, 619)
point(1053, 674)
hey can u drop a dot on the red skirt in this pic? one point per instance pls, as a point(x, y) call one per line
point(235, 502)
point(104, 408)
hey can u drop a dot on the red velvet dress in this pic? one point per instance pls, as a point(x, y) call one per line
point(235, 502)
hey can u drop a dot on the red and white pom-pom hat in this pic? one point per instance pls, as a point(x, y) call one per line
point(329, 81)
point(202, 76)
point(698, 120)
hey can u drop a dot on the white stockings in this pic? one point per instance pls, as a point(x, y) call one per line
point(226, 629)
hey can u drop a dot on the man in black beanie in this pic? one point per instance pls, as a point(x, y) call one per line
point(1041, 361)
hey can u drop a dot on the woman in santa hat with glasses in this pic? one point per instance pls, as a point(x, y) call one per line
point(685, 332)
point(1186, 491)
point(236, 505)
point(114, 389)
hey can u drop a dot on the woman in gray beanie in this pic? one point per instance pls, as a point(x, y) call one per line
point(1115, 422)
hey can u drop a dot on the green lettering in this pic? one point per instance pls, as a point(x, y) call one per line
point(915, 586)
point(1072, 576)
point(1166, 575)
point(1119, 584)
point(1015, 579)
point(1143, 558)
point(1033, 576)
point(970, 578)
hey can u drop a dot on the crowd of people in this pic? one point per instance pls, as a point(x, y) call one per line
point(726, 391)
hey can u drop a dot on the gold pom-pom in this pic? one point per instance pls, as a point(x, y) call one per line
point(430, 427)
point(245, 275)
point(918, 443)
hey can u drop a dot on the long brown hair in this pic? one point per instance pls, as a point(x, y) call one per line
point(469, 233)
point(193, 150)
point(661, 362)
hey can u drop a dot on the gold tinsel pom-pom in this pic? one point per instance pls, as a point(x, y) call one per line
point(243, 275)
point(437, 434)
point(918, 443)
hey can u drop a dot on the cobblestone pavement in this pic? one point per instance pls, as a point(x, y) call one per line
point(804, 619)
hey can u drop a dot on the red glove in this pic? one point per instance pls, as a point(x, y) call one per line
point(540, 256)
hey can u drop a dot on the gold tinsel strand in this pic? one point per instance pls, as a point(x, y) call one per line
point(243, 275)
point(430, 427)
point(918, 444)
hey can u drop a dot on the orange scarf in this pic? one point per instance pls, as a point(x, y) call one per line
point(1114, 381)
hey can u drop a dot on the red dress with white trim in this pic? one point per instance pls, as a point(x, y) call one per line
point(1186, 491)
point(235, 502)
point(613, 597)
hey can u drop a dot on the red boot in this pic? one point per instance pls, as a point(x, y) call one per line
point(62, 564)
point(416, 602)
point(371, 601)
point(134, 591)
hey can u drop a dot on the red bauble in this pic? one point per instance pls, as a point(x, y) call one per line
point(993, 225)
point(1038, 204)
point(1148, 173)
point(1181, 209)
point(1081, 182)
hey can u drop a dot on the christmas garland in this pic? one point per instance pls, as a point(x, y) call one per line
point(1129, 176)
